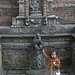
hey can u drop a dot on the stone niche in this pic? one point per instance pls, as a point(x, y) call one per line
point(35, 12)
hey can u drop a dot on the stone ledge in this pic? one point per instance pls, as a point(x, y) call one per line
point(33, 35)
point(37, 16)
point(25, 45)
point(49, 29)
point(9, 7)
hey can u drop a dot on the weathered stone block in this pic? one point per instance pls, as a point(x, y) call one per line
point(20, 22)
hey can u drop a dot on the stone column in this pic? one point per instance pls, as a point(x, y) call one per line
point(49, 7)
point(0, 61)
point(26, 7)
point(45, 7)
point(21, 7)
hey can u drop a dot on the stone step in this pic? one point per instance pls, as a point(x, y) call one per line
point(25, 74)
point(63, 72)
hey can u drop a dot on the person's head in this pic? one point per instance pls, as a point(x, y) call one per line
point(53, 54)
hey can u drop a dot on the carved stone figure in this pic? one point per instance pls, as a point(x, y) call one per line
point(37, 61)
point(34, 5)
point(37, 42)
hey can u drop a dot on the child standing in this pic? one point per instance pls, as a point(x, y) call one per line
point(53, 63)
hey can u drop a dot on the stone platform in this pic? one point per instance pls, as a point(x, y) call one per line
point(41, 72)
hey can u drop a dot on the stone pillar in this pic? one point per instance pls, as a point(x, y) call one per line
point(26, 7)
point(0, 61)
point(49, 7)
point(73, 54)
point(45, 7)
point(21, 7)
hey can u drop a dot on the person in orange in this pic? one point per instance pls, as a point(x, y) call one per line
point(53, 63)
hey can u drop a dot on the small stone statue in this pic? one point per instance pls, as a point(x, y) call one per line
point(37, 61)
point(37, 43)
point(34, 5)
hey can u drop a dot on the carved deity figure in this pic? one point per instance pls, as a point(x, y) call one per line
point(37, 61)
point(34, 5)
point(37, 42)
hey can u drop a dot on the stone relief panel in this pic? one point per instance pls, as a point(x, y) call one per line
point(35, 5)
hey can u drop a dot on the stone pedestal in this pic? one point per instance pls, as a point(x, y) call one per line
point(36, 72)
point(36, 13)
point(20, 22)
point(52, 19)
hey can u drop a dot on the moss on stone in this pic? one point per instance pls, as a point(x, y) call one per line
point(5, 63)
point(3, 53)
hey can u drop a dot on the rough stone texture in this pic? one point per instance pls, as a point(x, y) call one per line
point(15, 59)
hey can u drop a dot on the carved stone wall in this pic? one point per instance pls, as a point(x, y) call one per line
point(16, 38)
point(15, 41)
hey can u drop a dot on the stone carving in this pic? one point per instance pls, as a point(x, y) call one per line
point(37, 42)
point(34, 5)
point(27, 22)
point(37, 61)
point(45, 20)
point(36, 21)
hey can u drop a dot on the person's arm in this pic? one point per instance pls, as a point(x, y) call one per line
point(45, 55)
